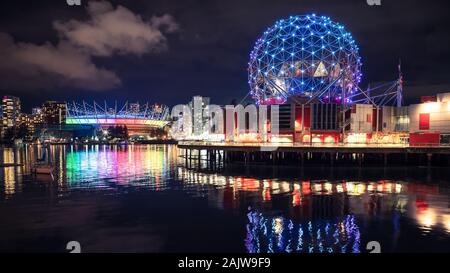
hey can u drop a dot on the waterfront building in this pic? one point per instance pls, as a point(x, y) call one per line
point(430, 120)
point(360, 124)
point(54, 112)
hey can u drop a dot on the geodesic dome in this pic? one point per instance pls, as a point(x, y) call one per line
point(307, 56)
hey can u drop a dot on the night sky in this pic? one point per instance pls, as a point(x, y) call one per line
point(169, 50)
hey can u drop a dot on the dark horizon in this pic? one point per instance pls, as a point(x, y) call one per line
point(200, 47)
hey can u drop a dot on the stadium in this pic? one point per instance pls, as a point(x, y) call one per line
point(138, 118)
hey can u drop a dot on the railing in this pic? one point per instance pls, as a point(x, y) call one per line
point(423, 145)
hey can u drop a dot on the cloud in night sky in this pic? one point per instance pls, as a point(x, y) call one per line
point(116, 31)
point(70, 63)
point(30, 66)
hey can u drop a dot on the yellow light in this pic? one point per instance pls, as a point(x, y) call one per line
point(350, 187)
point(427, 218)
point(446, 222)
point(306, 138)
point(357, 138)
point(281, 139)
point(248, 138)
point(380, 188)
point(285, 187)
point(360, 188)
point(275, 186)
point(329, 139)
point(389, 187)
point(317, 188)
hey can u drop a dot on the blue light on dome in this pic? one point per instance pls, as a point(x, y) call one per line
point(321, 56)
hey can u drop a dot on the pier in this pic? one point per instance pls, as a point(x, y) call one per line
point(221, 154)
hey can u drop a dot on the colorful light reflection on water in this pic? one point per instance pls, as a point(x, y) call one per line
point(102, 166)
point(258, 215)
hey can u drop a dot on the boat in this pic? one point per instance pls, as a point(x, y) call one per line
point(43, 165)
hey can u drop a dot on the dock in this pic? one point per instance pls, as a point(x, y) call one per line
point(311, 153)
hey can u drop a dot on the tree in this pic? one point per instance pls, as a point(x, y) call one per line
point(158, 133)
point(125, 132)
point(118, 131)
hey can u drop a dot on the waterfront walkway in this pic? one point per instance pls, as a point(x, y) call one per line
point(315, 147)
point(322, 153)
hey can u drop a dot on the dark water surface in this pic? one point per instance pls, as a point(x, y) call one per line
point(142, 199)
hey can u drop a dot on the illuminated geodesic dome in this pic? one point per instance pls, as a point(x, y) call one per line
point(305, 55)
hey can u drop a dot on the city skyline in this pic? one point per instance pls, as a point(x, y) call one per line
point(203, 51)
point(240, 127)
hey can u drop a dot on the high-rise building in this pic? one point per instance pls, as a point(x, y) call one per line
point(27, 121)
point(54, 112)
point(37, 115)
point(10, 112)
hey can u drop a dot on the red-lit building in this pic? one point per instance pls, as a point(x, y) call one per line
point(430, 120)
